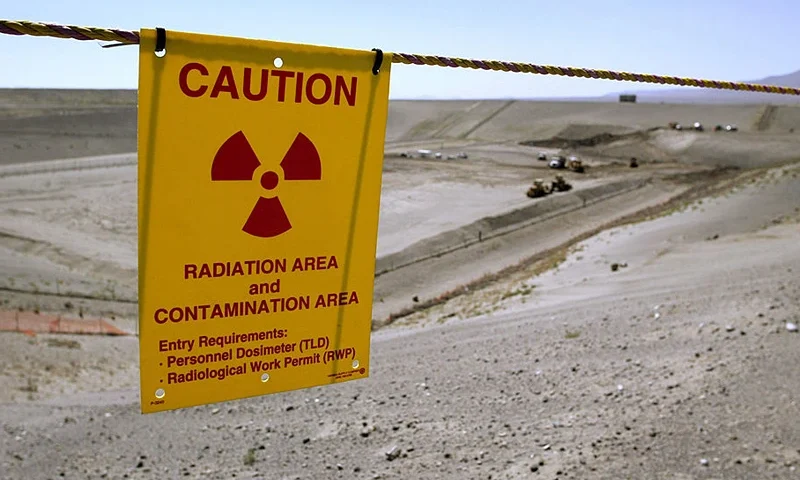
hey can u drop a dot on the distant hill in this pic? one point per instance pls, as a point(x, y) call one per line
point(66, 97)
point(707, 95)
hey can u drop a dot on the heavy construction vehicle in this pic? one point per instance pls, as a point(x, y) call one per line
point(560, 185)
point(575, 165)
point(539, 189)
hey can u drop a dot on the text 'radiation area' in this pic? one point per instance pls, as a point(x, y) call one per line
point(255, 351)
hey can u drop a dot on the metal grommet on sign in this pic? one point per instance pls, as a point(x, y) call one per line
point(161, 42)
point(376, 67)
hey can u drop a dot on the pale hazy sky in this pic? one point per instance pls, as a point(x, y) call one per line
point(719, 40)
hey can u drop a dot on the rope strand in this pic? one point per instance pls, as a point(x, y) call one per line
point(127, 37)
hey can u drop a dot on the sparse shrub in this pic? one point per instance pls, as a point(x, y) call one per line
point(572, 334)
point(250, 457)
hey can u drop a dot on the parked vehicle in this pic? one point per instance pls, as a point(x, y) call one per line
point(557, 161)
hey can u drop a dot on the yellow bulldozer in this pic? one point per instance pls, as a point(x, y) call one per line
point(539, 189)
point(575, 165)
point(560, 185)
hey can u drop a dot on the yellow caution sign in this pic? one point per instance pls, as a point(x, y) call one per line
point(259, 187)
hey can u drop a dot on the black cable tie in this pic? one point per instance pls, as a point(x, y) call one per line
point(376, 67)
point(161, 39)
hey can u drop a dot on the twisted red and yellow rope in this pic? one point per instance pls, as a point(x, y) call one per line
point(36, 29)
point(9, 27)
point(586, 73)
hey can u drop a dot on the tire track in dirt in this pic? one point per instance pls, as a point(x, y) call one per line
point(488, 119)
point(766, 118)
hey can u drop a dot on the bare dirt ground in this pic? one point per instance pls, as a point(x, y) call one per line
point(638, 326)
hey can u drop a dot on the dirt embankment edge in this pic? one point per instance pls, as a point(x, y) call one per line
point(486, 228)
point(69, 164)
point(714, 183)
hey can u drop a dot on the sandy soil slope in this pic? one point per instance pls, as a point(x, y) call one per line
point(679, 365)
point(68, 232)
point(71, 234)
point(68, 235)
point(38, 124)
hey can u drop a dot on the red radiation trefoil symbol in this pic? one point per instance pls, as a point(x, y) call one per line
point(236, 161)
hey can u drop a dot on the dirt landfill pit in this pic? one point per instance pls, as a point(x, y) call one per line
point(641, 325)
